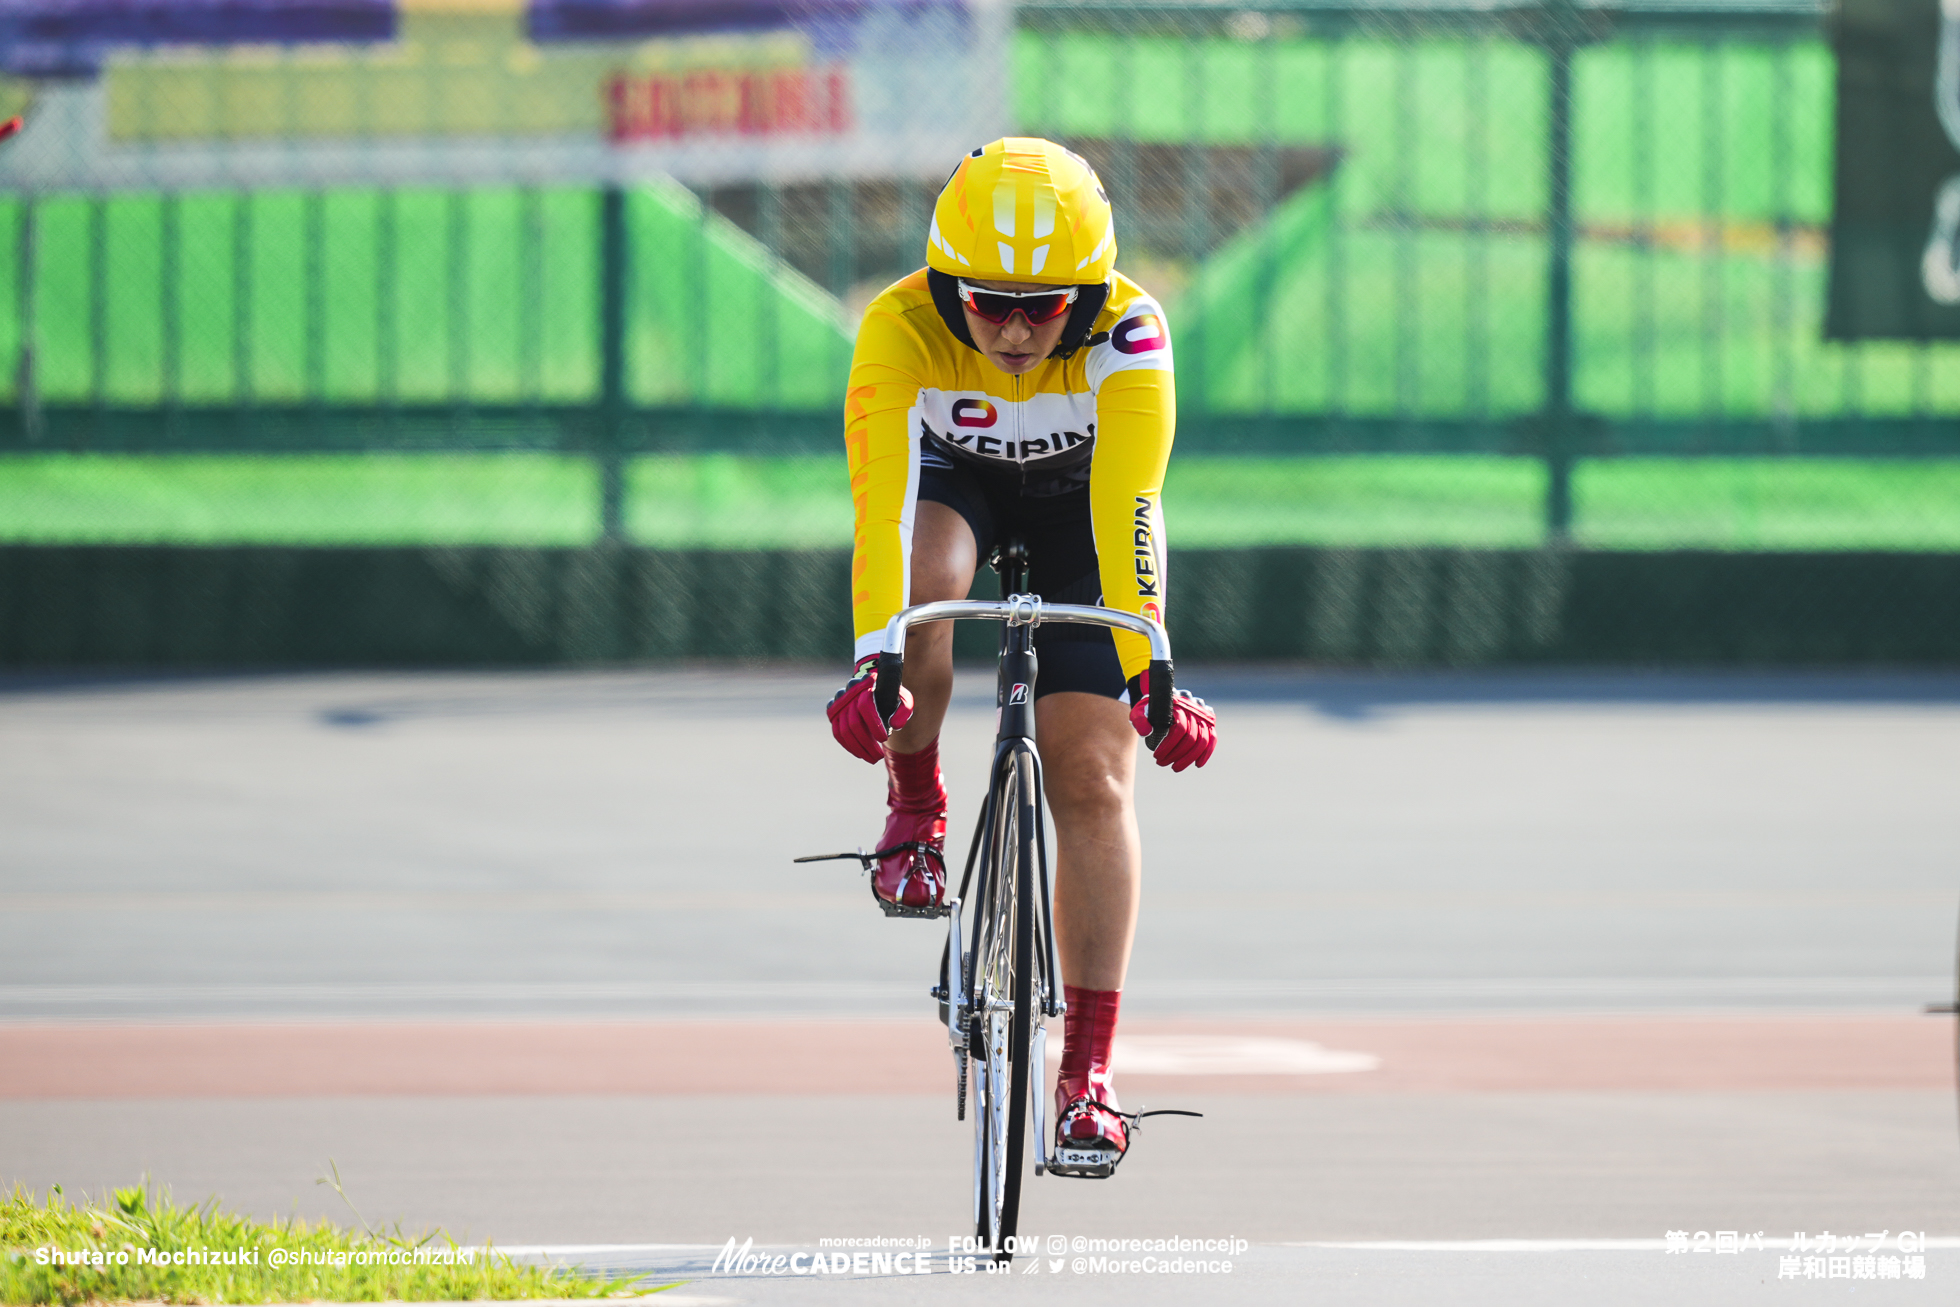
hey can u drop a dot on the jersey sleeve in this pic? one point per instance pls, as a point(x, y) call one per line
point(886, 370)
point(1136, 419)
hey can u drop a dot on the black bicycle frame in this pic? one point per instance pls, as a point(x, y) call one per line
point(1015, 735)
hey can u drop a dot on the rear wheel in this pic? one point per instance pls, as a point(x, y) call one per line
point(1000, 1031)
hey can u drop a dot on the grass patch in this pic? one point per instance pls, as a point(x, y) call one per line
point(133, 1242)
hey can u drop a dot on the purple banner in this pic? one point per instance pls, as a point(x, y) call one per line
point(68, 38)
point(615, 20)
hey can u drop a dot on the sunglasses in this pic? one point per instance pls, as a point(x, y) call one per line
point(1037, 306)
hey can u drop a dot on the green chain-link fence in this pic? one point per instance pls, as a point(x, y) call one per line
point(1438, 274)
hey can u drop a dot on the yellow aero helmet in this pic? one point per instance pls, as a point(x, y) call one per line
point(1023, 209)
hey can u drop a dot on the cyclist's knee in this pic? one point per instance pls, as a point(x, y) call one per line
point(1088, 750)
point(944, 556)
point(1082, 787)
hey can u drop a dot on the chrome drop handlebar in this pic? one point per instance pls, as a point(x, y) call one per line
point(1027, 610)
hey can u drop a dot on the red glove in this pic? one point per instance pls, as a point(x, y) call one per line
point(854, 717)
point(1194, 727)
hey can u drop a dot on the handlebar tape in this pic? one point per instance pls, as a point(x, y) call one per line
point(1159, 712)
point(884, 696)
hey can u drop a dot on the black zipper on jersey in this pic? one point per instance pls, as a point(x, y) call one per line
point(1020, 435)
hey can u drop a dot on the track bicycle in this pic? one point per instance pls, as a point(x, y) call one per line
point(998, 979)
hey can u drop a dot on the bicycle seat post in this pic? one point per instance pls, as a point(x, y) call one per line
point(1011, 561)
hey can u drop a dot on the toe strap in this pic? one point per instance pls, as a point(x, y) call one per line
point(919, 848)
point(1110, 1125)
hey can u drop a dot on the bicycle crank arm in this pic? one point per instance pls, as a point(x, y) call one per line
point(955, 978)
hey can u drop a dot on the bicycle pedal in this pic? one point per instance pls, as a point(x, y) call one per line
point(926, 910)
point(1085, 1163)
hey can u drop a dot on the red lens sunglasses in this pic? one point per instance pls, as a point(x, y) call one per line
point(1037, 306)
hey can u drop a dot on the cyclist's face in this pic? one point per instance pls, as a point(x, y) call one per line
point(1014, 346)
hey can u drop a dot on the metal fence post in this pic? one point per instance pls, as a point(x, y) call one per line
point(456, 290)
point(387, 293)
point(1195, 393)
point(313, 292)
point(170, 309)
point(243, 288)
point(609, 447)
point(98, 309)
point(1561, 20)
point(27, 394)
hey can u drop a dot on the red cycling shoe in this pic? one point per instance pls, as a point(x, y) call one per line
point(1091, 1133)
point(911, 876)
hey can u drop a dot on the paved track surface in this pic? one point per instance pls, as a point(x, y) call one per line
point(790, 1172)
point(698, 1169)
point(1264, 1055)
point(525, 956)
point(619, 843)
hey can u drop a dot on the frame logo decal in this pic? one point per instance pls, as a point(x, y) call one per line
point(1017, 693)
point(1139, 335)
point(1146, 550)
point(974, 413)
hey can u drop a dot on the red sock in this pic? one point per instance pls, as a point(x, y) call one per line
point(913, 782)
point(1085, 1041)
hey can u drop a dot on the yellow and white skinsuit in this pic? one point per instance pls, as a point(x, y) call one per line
point(926, 410)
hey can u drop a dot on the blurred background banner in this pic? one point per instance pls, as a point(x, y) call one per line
point(1895, 235)
point(137, 95)
point(1446, 278)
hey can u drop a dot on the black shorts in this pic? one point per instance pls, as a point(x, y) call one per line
point(1061, 564)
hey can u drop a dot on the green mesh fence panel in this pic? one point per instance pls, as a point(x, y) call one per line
point(1438, 276)
point(268, 607)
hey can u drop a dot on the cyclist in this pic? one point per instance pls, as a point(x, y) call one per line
point(1018, 385)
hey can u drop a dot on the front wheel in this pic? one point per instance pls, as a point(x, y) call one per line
point(1001, 1029)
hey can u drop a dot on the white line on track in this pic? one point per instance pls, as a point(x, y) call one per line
point(587, 1249)
point(1547, 1245)
point(1376, 1245)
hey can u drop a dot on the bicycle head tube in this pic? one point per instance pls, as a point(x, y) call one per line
point(1018, 665)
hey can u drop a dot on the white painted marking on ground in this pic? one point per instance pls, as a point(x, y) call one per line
point(1232, 1055)
point(1551, 1245)
point(564, 1250)
point(587, 1249)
